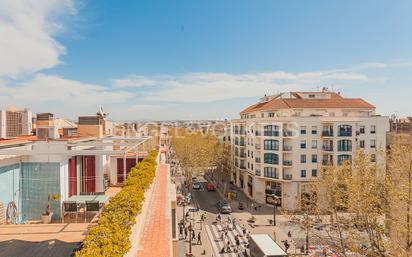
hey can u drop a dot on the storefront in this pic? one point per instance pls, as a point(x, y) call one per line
point(273, 193)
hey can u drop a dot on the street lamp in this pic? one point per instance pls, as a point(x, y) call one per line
point(275, 203)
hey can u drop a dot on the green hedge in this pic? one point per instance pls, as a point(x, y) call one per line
point(111, 236)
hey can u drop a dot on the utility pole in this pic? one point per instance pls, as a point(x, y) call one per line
point(275, 203)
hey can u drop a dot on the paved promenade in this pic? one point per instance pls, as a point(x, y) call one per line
point(156, 241)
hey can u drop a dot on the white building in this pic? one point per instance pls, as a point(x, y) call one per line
point(284, 140)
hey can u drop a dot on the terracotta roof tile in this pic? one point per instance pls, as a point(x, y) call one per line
point(336, 101)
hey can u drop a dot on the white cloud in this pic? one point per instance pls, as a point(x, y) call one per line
point(206, 87)
point(62, 95)
point(26, 35)
point(134, 81)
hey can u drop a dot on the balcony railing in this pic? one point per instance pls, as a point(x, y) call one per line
point(328, 148)
point(258, 133)
point(242, 143)
point(287, 133)
point(345, 133)
point(327, 162)
point(287, 148)
point(258, 173)
point(243, 167)
point(287, 176)
point(257, 147)
point(257, 160)
point(345, 149)
point(242, 155)
point(271, 133)
point(327, 133)
point(271, 175)
point(287, 162)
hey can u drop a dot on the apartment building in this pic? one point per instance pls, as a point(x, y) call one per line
point(283, 141)
point(15, 122)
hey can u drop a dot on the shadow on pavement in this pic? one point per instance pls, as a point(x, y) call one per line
point(49, 248)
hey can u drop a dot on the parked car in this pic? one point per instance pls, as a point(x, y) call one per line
point(197, 185)
point(224, 207)
point(211, 187)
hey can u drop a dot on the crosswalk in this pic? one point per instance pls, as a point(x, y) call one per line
point(214, 233)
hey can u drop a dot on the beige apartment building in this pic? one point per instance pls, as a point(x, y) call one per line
point(283, 142)
point(15, 122)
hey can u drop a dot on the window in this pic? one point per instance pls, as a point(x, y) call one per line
point(345, 130)
point(303, 144)
point(362, 143)
point(251, 166)
point(303, 158)
point(303, 173)
point(314, 130)
point(343, 158)
point(248, 153)
point(262, 115)
point(314, 158)
point(303, 130)
point(251, 154)
point(248, 165)
point(271, 144)
point(314, 173)
point(362, 129)
point(345, 145)
point(373, 158)
point(271, 114)
point(271, 158)
point(314, 144)
point(271, 130)
point(373, 143)
point(311, 96)
point(270, 172)
point(373, 129)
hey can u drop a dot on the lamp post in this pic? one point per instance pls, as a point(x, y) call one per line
point(275, 203)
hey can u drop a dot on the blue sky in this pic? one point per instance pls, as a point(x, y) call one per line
point(200, 59)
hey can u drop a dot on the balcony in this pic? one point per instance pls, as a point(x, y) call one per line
point(327, 162)
point(287, 148)
point(274, 175)
point(327, 133)
point(242, 167)
point(257, 147)
point(258, 133)
point(257, 160)
point(287, 177)
point(344, 133)
point(258, 173)
point(345, 149)
point(287, 163)
point(327, 148)
point(242, 155)
point(242, 143)
point(287, 133)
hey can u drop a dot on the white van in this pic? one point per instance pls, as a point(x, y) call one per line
point(262, 245)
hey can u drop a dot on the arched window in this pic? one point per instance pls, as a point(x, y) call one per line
point(344, 158)
point(271, 131)
point(271, 158)
point(345, 145)
point(271, 144)
point(345, 130)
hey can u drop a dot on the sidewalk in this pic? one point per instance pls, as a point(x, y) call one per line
point(156, 241)
point(262, 215)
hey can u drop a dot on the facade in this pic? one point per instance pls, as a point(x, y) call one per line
point(283, 141)
point(14, 122)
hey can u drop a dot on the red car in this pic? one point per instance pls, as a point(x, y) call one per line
point(211, 187)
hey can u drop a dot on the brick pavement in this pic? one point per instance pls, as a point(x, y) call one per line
point(156, 240)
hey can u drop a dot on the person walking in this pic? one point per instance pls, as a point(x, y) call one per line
point(286, 244)
point(199, 239)
point(185, 233)
point(193, 235)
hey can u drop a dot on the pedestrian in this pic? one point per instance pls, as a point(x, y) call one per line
point(199, 239)
point(185, 233)
point(222, 236)
point(289, 234)
point(228, 249)
point(286, 244)
point(193, 235)
point(228, 219)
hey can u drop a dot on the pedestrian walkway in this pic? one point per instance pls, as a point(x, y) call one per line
point(215, 232)
point(156, 240)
